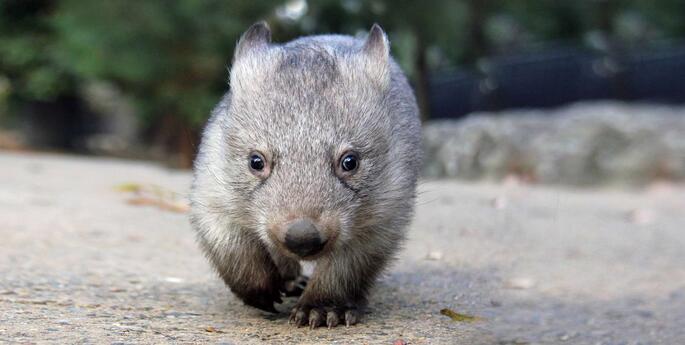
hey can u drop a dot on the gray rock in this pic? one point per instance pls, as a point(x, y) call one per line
point(582, 144)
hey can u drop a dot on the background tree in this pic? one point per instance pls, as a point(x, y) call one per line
point(171, 57)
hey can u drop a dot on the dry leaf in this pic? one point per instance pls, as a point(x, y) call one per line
point(167, 205)
point(458, 316)
point(154, 196)
point(211, 329)
point(128, 188)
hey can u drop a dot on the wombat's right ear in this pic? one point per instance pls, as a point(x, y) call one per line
point(258, 36)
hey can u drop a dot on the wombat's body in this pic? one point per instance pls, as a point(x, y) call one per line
point(312, 155)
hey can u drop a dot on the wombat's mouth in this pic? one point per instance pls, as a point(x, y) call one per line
point(311, 256)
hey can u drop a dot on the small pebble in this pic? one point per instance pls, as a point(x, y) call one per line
point(434, 256)
point(512, 180)
point(499, 203)
point(641, 216)
point(173, 280)
point(519, 283)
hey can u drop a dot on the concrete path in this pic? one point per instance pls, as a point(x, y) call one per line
point(88, 254)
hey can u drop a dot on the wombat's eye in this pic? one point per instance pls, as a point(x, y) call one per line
point(349, 162)
point(258, 164)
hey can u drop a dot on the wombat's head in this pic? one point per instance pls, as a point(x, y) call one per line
point(308, 138)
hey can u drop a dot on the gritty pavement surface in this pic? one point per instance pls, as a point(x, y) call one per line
point(89, 254)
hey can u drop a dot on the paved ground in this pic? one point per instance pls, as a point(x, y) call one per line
point(82, 263)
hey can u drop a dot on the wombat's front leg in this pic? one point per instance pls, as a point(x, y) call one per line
point(336, 292)
point(248, 270)
point(293, 282)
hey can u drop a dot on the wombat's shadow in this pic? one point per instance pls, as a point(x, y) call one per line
point(415, 291)
point(408, 299)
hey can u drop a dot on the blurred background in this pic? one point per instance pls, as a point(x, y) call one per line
point(568, 92)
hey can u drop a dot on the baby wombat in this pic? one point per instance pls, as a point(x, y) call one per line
point(312, 155)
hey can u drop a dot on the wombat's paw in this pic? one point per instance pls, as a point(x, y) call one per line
point(263, 300)
point(294, 287)
point(317, 316)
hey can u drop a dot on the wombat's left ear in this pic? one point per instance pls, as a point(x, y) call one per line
point(376, 50)
point(256, 37)
point(376, 45)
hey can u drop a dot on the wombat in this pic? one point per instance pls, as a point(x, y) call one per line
point(312, 155)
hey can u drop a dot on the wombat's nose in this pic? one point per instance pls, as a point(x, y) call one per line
point(303, 238)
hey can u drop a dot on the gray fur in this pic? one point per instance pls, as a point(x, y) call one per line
point(302, 104)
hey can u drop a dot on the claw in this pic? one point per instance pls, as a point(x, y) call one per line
point(300, 318)
point(350, 318)
point(317, 316)
point(314, 318)
point(332, 319)
point(292, 320)
point(294, 287)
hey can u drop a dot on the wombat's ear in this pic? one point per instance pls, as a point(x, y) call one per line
point(376, 50)
point(377, 45)
point(258, 36)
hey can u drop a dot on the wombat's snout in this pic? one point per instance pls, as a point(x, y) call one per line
point(303, 238)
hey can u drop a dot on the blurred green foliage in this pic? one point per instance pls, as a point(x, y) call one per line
point(171, 57)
